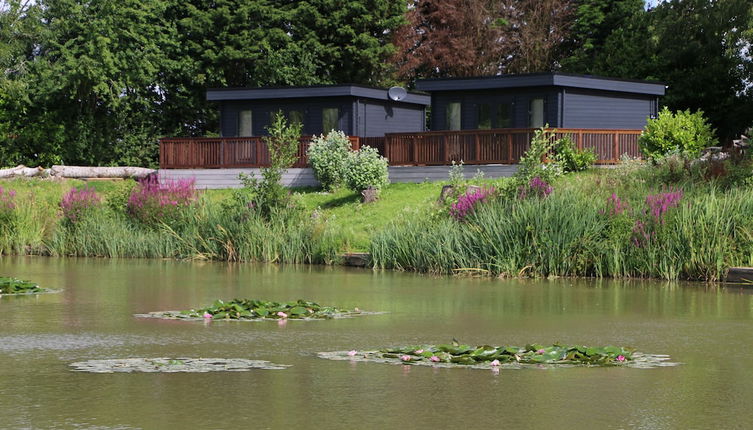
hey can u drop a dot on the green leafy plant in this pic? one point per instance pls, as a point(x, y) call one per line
point(457, 174)
point(250, 309)
point(680, 131)
point(536, 161)
point(327, 156)
point(571, 158)
point(366, 168)
point(18, 286)
point(267, 194)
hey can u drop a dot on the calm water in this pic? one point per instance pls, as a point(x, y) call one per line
point(707, 329)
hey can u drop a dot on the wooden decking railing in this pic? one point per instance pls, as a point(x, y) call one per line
point(223, 152)
point(499, 146)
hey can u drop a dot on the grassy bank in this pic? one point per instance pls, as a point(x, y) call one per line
point(594, 223)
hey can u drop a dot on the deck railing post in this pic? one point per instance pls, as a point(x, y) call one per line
point(615, 147)
point(509, 148)
point(414, 145)
point(477, 150)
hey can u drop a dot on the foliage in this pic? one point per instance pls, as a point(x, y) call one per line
point(536, 188)
point(267, 194)
point(154, 201)
point(532, 163)
point(250, 309)
point(366, 168)
point(17, 286)
point(78, 202)
point(681, 131)
point(572, 158)
point(530, 354)
point(117, 198)
point(327, 155)
point(7, 206)
point(456, 174)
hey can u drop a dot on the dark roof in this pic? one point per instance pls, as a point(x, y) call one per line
point(542, 80)
point(271, 93)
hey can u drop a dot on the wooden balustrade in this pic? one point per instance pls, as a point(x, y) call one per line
point(497, 146)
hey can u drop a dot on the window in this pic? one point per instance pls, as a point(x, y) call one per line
point(295, 117)
point(245, 123)
point(504, 115)
point(453, 116)
point(330, 119)
point(484, 116)
point(536, 113)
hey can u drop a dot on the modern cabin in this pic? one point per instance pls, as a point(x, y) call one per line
point(356, 110)
point(533, 100)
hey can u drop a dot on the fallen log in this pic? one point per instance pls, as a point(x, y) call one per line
point(22, 170)
point(100, 172)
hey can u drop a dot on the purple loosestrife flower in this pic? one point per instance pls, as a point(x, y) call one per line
point(77, 202)
point(467, 202)
point(659, 204)
point(536, 187)
point(155, 200)
point(615, 206)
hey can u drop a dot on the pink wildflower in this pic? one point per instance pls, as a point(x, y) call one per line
point(352, 353)
point(207, 315)
point(494, 363)
point(435, 359)
point(541, 351)
point(620, 358)
point(405, 358)
point(282, 314)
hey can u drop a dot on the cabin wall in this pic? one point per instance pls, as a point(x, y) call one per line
point(606, 110)
point(518, 98)
point(262, 111)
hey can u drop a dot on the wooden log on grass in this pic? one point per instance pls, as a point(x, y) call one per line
point(78, 172)
point(22, 171)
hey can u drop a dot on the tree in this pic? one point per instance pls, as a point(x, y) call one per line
point(594, 21)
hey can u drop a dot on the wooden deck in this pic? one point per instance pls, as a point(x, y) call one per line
point(437, 148)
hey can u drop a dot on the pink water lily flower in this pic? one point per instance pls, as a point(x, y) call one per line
point(494, 363)
point(620, 358)
point(419, 351)
point(541, 351)
point(405, 357)
point(282, 314)
point(435, 359)
point(352, 353)
point(207, 315)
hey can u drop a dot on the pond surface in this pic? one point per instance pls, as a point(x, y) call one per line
point(707, 329)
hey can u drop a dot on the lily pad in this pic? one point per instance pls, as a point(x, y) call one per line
point(259, 310)
point(173, 365)
point(512, 357)
point(14, 286)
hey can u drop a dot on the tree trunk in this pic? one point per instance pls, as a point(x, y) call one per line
point(100, 172)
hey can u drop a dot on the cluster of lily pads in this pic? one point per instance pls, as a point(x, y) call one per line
point(18, 286)
point(497, 355)
point(173, 365)
point(513, 357)
point(250, 309)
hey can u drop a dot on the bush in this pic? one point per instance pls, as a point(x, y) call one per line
point(366, 168)
point(327, 156)
point(682, 131)
point(571, 158)
point(267, 194)
point(152, 202)
point(117, 198)
point(77, 203)
point(532, 162)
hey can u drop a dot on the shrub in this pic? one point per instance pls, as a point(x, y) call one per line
point(571, 158)
point(327, 156)
point(267, 194)
point(536, 162)
point(366, 168)
point(681, 131)
point(117, 198)
point(152, 202)
point(77, 203)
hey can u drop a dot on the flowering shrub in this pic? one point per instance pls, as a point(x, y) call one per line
point(77, 203)
point(327, 156)
point(366, 168)
point(466, 203)
point(154, 201)
point(536, 187)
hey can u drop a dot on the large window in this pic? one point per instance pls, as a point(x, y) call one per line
point(484, 116)
point(453, 116)
point(504, 115)
point(295, 117)
point(330, 119)
point(245, 123)
point(536, 113)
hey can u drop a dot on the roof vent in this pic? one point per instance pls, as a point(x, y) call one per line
point(397, 93)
